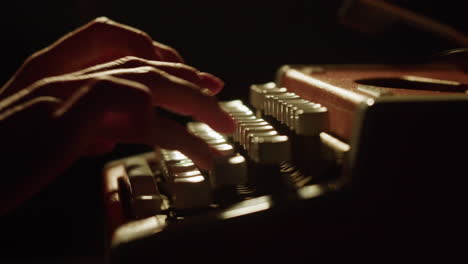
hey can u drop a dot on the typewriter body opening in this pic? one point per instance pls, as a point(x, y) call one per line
point(326, 162)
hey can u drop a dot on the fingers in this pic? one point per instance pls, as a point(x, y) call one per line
point(202, 79)
point(97, 42)
point(168, 91)
point(117, 106)
point(167, 53)
point(179, 95)
point(103, 40)
point(171, 135)
point(82, 114)
point(35, 110)
point(124, 121)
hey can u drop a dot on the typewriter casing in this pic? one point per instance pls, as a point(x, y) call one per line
point(399, 192)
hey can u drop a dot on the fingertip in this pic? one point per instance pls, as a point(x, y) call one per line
point(213, 83)
point(230, 125)
point(224, 123)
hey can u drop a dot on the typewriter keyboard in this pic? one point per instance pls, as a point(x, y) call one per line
point(279, 146)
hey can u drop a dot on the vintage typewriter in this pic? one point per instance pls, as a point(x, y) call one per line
point(327, 162)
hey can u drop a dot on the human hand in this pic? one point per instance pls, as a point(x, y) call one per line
point(94, 87)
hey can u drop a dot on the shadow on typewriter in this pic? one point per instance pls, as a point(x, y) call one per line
point(322, 167)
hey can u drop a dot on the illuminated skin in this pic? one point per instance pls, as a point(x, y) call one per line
point(94, 87)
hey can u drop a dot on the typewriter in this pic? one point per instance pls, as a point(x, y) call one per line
point(328, 162)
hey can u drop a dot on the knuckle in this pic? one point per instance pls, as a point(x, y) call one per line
point(100, 23)
point(44, 86)
point(131, 61)
point(101, 19)
point(145, 35)
point(150, 70)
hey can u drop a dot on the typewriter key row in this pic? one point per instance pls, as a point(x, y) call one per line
point(299, 115)
point(185, 185)
point(303, 121)
point(256, 137)
point(230, 169)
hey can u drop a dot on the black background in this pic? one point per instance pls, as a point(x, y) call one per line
point(243, 42)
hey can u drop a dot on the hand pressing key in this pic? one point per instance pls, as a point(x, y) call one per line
point(94, 87)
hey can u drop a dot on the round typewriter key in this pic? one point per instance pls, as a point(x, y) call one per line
point(207, 135)
point(173, 156)
point(182, 166)
point(231, 104)
point(247, 117)
point(186, 174)
point(196, 127)
point(236, 115)
point(225, 149)
point(216, 141)
point(238, 109)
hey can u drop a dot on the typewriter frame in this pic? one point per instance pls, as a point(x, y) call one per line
point(411, 193)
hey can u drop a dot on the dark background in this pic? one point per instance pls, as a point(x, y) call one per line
point(241, 42)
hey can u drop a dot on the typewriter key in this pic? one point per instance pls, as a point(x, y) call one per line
point(141, 180)
point(190, 192)
point(311, 121)
point(270, 150)
point(258, 96)
point(229, 171)
point(311, 106)
point(251, 129)
point(250, 136)
point(245, 124)
point(196, 127)
point(146, 205)
point(276, 102)
point(289, 108)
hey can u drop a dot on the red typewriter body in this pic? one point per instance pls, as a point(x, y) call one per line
point(396, 145)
